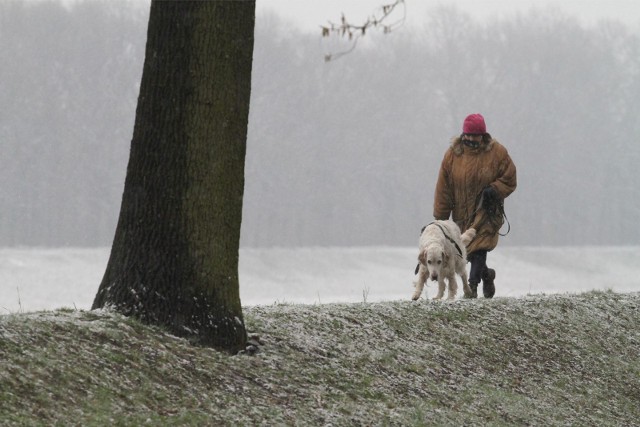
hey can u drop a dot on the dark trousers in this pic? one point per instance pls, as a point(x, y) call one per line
point(478, 260)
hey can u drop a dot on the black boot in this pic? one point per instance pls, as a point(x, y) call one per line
point(488, 286)
point(474, 290)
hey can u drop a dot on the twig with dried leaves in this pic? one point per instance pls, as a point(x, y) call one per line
point(353, 32)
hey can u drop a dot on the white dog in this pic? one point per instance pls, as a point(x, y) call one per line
point(443, 254)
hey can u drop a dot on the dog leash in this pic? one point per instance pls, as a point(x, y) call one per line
point(492, 217)
point(495, 216)
point(447, 237)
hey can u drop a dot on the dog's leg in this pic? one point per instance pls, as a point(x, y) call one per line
point(419, 283)
point(453, 287)
point(441, 287)
point(465, 283)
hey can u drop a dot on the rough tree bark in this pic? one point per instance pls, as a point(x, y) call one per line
point(174, 260)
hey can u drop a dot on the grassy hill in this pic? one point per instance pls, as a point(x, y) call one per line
point(539, 360)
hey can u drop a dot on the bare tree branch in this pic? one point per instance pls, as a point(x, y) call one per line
point(376, 21)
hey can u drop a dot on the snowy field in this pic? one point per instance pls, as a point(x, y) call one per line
point(47, 279)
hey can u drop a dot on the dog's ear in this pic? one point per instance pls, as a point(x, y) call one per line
point(445, 257)
point(422, 257)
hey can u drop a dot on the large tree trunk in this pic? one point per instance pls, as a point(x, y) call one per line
point(174, 260)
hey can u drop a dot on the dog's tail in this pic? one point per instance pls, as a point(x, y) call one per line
point(468, 236)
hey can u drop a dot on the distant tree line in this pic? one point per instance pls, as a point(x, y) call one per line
point(344, 153)
point(69, 82)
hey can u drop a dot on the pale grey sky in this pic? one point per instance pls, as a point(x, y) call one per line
point(310, 14)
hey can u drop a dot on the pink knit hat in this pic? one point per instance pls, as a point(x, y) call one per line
point(474, 124)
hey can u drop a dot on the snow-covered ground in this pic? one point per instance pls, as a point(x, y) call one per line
point(46, 279)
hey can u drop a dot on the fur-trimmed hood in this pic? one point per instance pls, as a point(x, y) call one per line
point(458, 147)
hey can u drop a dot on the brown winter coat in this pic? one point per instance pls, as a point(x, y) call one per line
point(464, 173)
